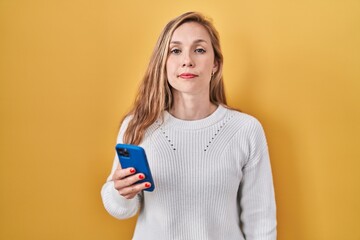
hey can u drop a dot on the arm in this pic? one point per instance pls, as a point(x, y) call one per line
point(119, 206)
point(115, 204)
point(257, 200)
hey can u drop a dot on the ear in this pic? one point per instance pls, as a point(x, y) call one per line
point(215, 67)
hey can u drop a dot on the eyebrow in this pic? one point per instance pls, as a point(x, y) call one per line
point(196, 41)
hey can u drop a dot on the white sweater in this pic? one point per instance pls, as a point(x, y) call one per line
point(212, 181)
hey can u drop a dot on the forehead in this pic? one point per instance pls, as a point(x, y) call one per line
point(190, 31)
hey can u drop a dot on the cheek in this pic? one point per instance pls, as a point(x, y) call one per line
point(170, 68)
point(207, 66)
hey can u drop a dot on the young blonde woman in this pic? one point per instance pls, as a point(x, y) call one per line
point(210, 163)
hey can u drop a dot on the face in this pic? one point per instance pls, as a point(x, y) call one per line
point(191, 60)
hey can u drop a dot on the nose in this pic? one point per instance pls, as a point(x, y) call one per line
point(188, 61)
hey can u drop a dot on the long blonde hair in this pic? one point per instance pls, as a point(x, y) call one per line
point(155, 94)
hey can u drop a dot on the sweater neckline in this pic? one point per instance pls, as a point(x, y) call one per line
point(216, 116)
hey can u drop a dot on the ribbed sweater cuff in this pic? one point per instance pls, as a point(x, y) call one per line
point(117, 205)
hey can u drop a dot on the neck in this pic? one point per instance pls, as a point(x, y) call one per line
point(191, 108)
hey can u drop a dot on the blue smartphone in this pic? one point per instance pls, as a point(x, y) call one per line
point(134, 156)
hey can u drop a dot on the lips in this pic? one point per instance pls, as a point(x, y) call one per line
point(188, 75)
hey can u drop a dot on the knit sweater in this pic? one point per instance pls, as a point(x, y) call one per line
point(212, 181)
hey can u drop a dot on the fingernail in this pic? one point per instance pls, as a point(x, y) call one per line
point(141, 176)
point(132, 170)
point(147, 185)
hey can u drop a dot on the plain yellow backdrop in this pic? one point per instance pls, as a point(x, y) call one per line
point(69, 70)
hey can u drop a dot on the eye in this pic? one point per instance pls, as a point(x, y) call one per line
point(200, 50)
point(175, 51)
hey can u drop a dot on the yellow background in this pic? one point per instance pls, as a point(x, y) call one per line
point(69, 70)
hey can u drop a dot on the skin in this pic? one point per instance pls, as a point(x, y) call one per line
point(125, 182)
point(191, 52)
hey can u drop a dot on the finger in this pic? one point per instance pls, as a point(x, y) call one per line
point(131, 191)
point(130, 196)
point(122, 173)
point(128, 181)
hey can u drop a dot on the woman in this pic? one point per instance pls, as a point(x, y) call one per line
point(210, 163)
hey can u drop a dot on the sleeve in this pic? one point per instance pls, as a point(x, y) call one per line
point(256, 193)
point(116, 205)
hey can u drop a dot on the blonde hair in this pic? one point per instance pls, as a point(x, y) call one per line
point(155, 94)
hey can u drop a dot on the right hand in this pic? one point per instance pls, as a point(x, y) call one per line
point(125, 182)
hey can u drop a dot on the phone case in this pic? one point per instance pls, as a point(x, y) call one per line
point(134, 156)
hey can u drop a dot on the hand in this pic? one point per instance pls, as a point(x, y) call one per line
point(125, 182)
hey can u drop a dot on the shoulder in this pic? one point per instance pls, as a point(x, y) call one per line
point(246, 128)
point(124, 124)
point(249, 132)
point(244, 120)
point(127, 119)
